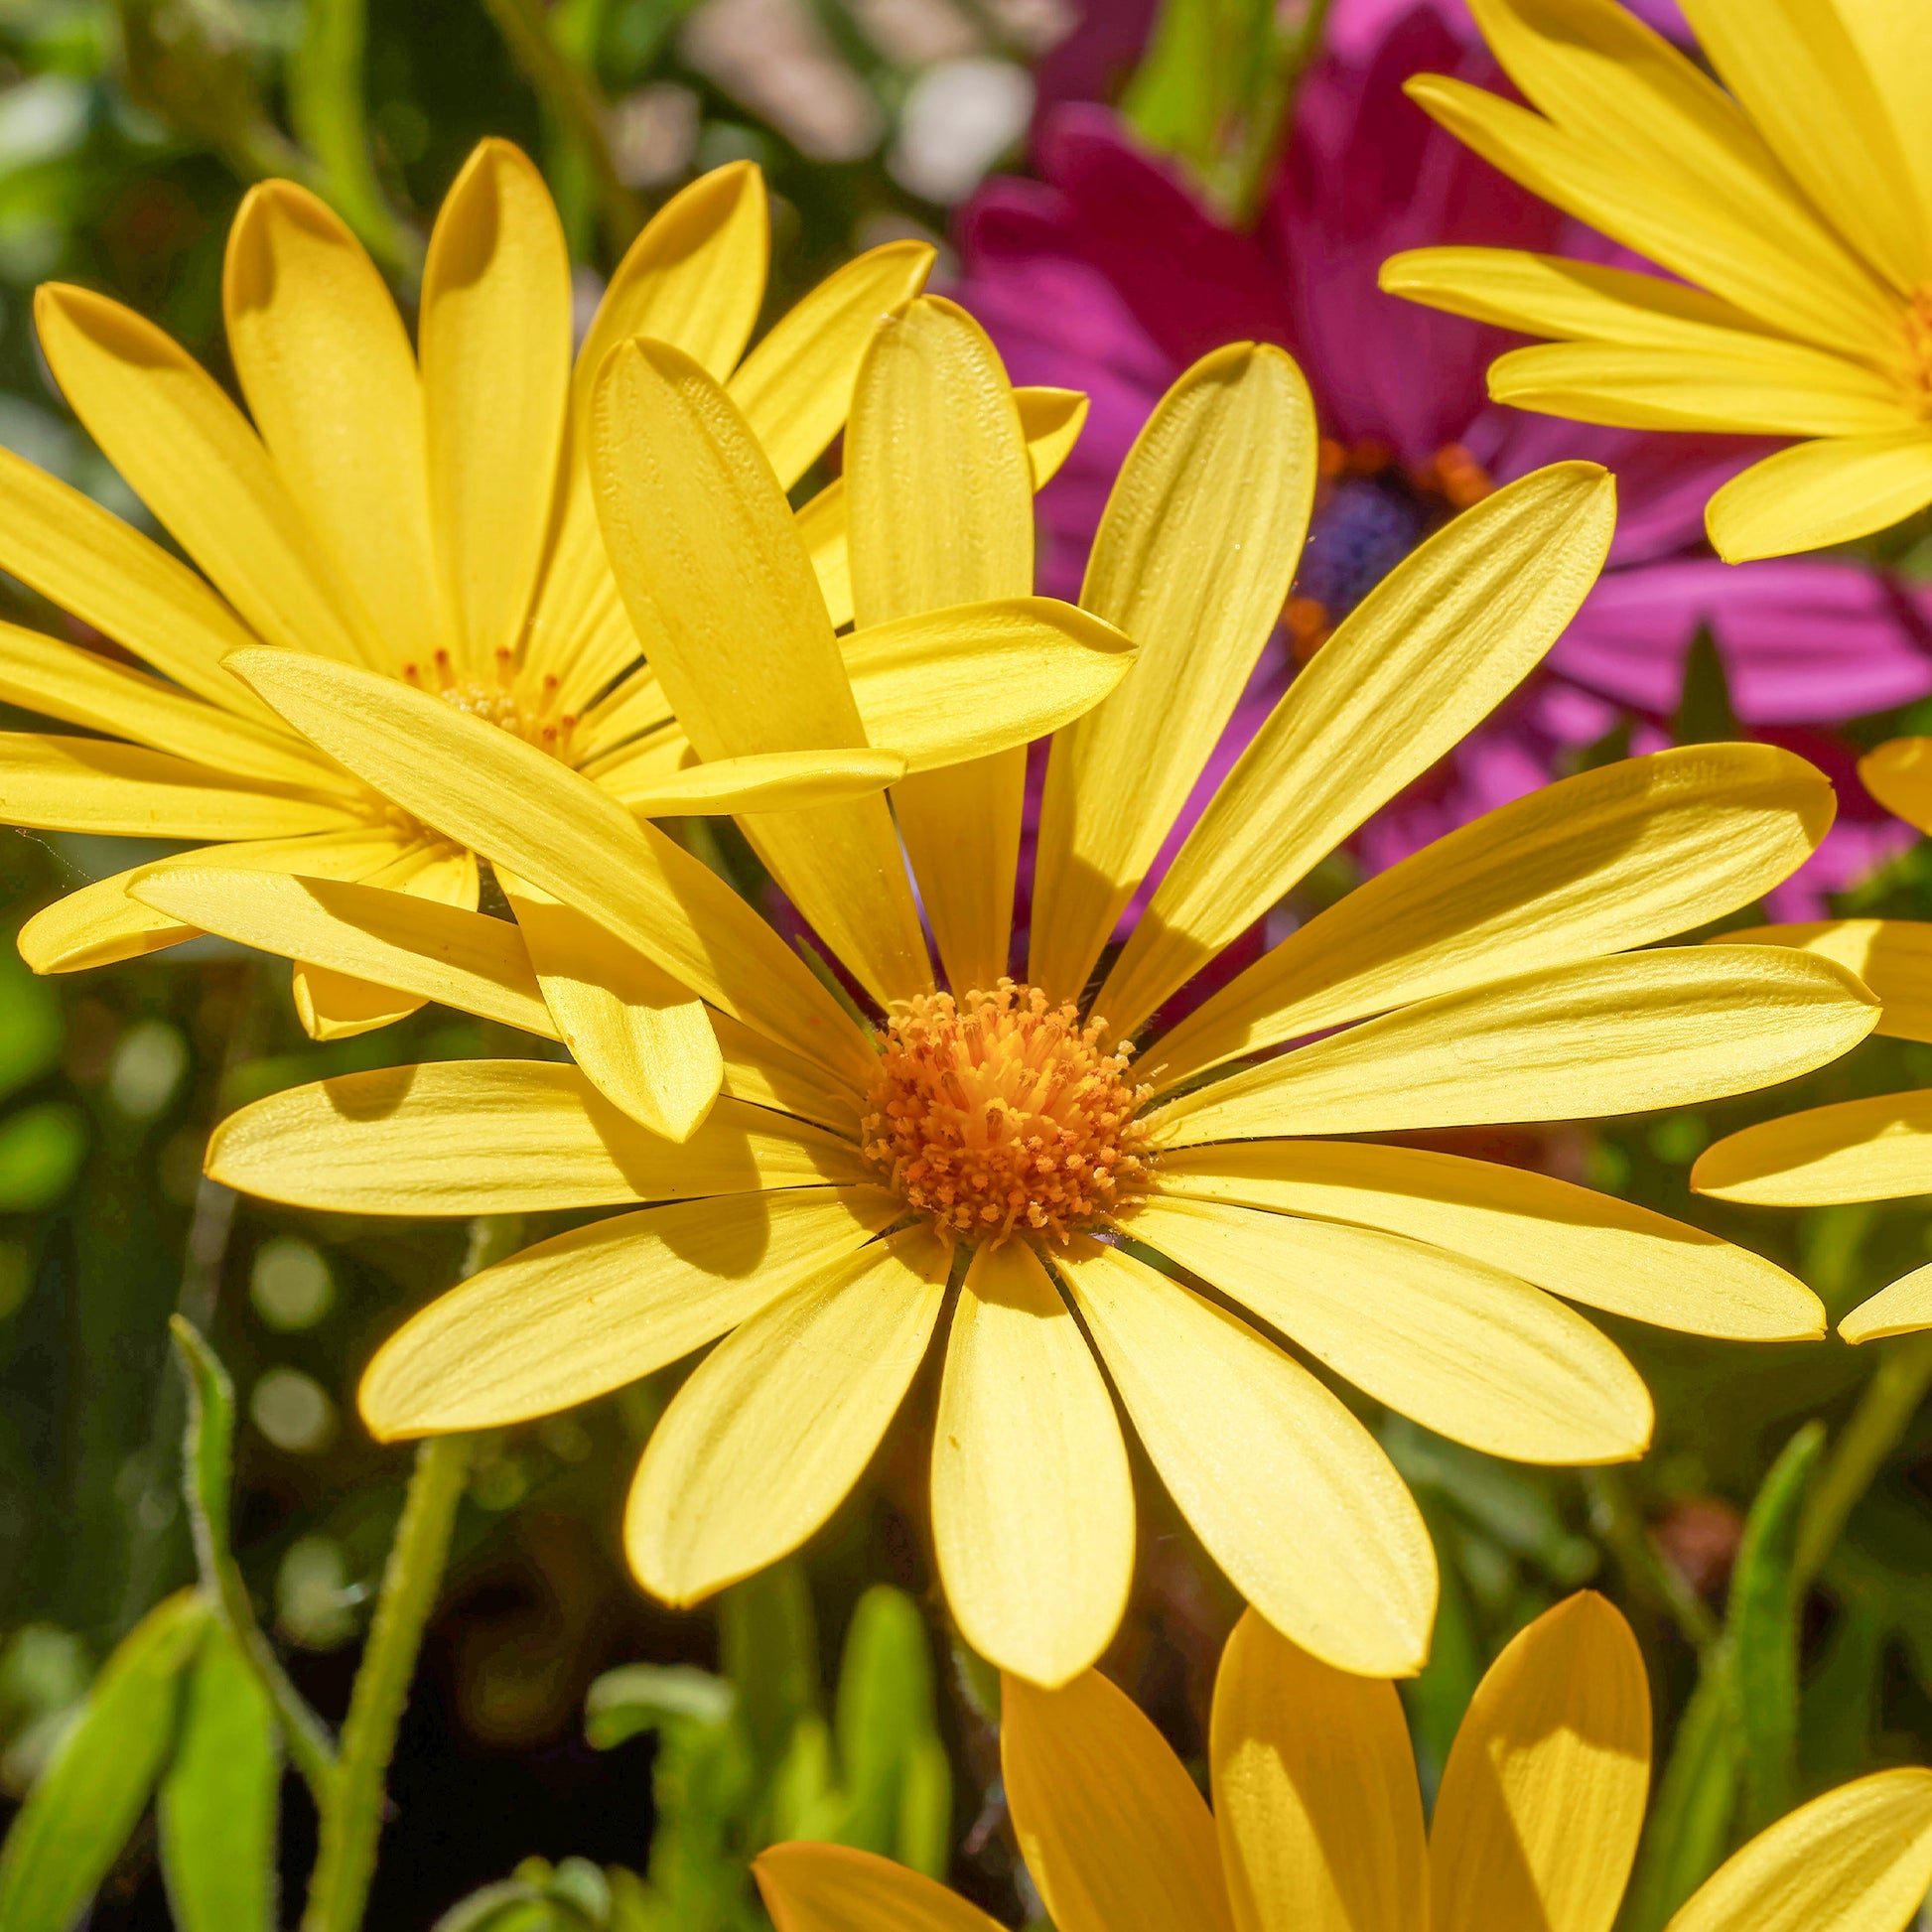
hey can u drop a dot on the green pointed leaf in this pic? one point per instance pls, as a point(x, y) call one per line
point(208, 1452)
point(636, 1697)
point(92, 1793)
point(925, 1840)
point(1704, 715)
point(768, 1645)
point(219, 1796)
point(1689, 1829)
point(883, 1710)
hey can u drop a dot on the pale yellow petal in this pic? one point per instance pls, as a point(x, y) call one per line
point(1902, 1308)
point(1192, 560)
point(94, 785)
point(1753, 385)
point(190, 454)
point(514, 805)
point(835, 1888)
point(1288, 1491)
point(1899, 775)
point(723, 595)
point(939, 501)
point(1541, 1800)
point(502, 1137)
point(1856, 1860)
point(81, 687)
point(769, 1075)
point(1583, 1245)
point(1894, 957)
point(641, 1039)
point(1051, 421)
point(767, 1439)
point(796, 388)
point(1424, 657)
point(1877, 1149)
point(1795, 69)
point(1113, 1831)
point(495, 351)
point(1033, 1507)
point(86, 560)
point(587, 1311)
point(1314, 1793)
point(1820, 493)
point(1670, 1027)
point(331, 381)
point(1895, 38)
point(766, 781)
point(1618, 857)
point(1467, 1349)
point(635, 708)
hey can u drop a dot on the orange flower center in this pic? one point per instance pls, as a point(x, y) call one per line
point(531, 715)
point(998, 1112)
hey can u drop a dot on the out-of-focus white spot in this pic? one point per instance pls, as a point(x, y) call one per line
point(293, 1410)
point(655, 134)
point(774, 58)
point(313, 1595)
point(915, 33)
point(290, 1283)
point(959, 118)
point(147, 1067)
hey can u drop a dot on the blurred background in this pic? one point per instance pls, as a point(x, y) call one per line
point(814, 1700)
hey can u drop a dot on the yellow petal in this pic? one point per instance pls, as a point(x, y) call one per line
point(641, 1039)
point(1896, 38)
point(1879, 1149)
point(1426, 655)
point(1314, 1793)
point(1619, 857)
point(1856, 1860)
point(1894, 957)
point(939, 498)
point(1670, 1027)
point(634, 709)
point(1192, 561)
point(1797, 72)
point(796, 388)
point(722, 594)
point(463, 958)
point(1578, 1243)
point(1647, 149)
point(1899, 775)
point(93, 784)
point(332, 384)
point(191, 457)
point(1050, 420)
point(495, 349)
point(103, 922)
point(1288, 1491)
point(1556, 294)
point(1751, 385)
point(1012, 669)
point(756, 1071)
point(1471, 1351)
point(769, 781)
point(516, 805)
point(1902, 1308)
point(1819, 493)
point(501, 1137)
point(1033, 1507)
point(81, 687)
point(86, 560)
point(1541, 1799)
point(587, 1311)
point(1111, 1827)
point(778, 1422)
point(835, 1888)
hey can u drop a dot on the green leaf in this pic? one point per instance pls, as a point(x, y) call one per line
point(30, 1029)
point(646, 1697)
point(1840, 1701)
point(1763, 1632)
point(1690, 1816)
point(1704, 709)
point(883, 1710)
point(1436, 1698)
point(92, 1794)
point(924, 1838)
point(768, 1645)
point(207, 1449)
point(42, 1148)
point(1206, 62)
point(219, 1797)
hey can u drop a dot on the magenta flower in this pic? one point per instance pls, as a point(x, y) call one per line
point(1108, 275)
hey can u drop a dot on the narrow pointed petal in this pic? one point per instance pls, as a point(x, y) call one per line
point(768, 781)
point(1902, 1308)
point(1894, 957)
point(834, 1889)
point(1289, 1493)
point(1112, 1829)
point(1032, 1506)
point(1541, 1800)
point(1819, 493)
point(1899, 775)
point(770, 1432)
point(1877, 1149)
point(1314, 1793)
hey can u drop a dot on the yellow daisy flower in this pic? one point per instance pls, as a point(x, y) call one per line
point(815, 1220)
point(1879, 1149)
point(1795, 199)
point(430, 523)
point(1318, 1822)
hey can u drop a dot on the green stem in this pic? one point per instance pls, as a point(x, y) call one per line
point(1884, 1412)
point(1619, 1523)
point(1267, 127)
point(572, 98)
point(352, 1821)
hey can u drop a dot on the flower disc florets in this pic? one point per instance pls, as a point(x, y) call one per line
point(998, 1112)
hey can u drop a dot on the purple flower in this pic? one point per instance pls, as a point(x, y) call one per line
point(1107, 274)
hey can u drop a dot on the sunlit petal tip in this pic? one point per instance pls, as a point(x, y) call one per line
point(1903, 1308)
point(1898, 773)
